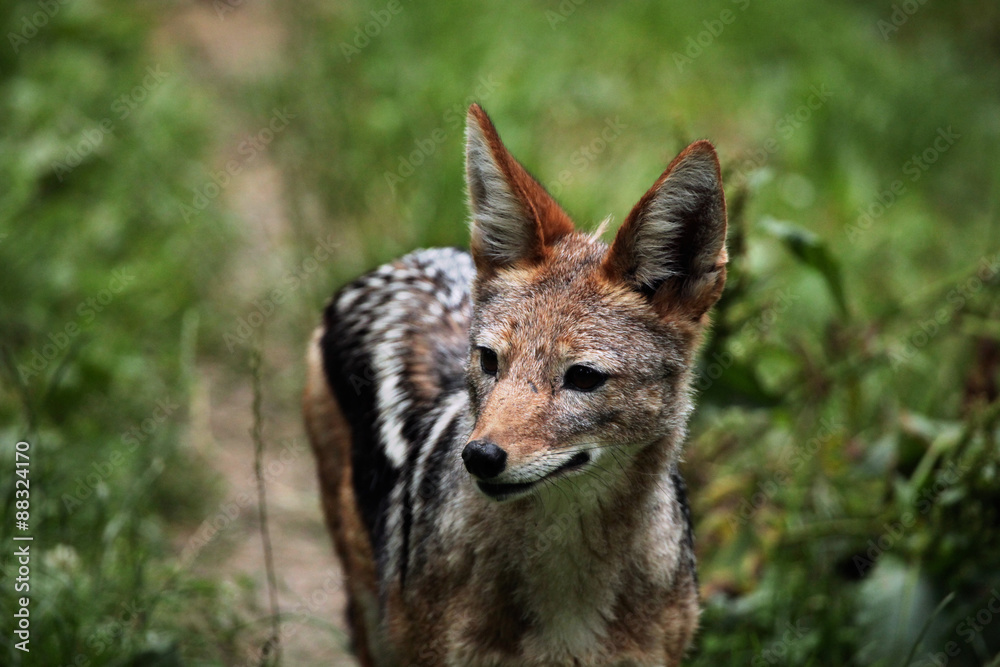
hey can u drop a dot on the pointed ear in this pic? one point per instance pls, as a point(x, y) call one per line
point(514, 220)
point(672, 246)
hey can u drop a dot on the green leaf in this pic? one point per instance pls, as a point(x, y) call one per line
point(812, 251)
point(896, 609)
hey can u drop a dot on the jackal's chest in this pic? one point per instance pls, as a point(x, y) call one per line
point(558, 592)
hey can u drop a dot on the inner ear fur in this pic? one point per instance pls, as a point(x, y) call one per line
point(514, 219)
point(672, 245)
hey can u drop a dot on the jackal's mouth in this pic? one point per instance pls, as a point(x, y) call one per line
point(507, 491)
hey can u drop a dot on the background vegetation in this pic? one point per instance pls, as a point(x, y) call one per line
point(180, 180)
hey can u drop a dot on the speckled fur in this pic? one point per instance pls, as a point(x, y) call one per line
point(594, 565)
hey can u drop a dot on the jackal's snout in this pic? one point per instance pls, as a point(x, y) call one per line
point(484, 458)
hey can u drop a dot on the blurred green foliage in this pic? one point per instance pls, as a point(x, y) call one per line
point(102, 292)
point(844, 458)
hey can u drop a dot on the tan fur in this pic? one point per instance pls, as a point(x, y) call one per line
point(331, 441)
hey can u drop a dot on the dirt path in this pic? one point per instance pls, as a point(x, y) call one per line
point(309, 579)
point(244, 43)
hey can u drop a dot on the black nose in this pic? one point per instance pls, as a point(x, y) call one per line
point(484, 459)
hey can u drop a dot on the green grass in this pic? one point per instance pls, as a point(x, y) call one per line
point(102, 307)
point(849, 388)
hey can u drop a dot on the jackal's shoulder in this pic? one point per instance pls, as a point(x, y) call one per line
point(396, 339)
point(432, 275)
point(394, 347)
point(405, 303)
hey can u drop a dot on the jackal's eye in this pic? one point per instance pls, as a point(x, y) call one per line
point(488, 361)
point(584, 378)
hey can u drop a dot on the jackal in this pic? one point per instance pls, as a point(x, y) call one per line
point(497, 433)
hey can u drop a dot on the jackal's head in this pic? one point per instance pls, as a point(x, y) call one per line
point(581, 353)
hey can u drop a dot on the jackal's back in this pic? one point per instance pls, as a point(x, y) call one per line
point(394, 350)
